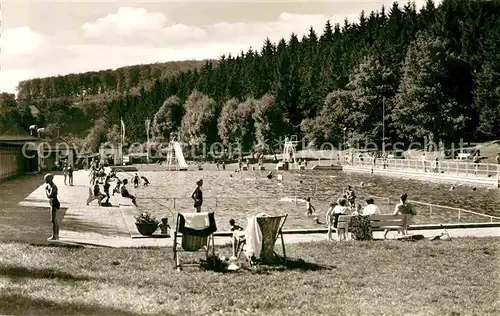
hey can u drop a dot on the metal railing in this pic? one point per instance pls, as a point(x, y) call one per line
point(449, 167)
point(433, 207)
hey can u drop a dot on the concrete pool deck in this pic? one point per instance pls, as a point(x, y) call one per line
point(93, 225)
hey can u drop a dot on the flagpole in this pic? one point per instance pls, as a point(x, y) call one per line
point(121, 141)
point(147, 135)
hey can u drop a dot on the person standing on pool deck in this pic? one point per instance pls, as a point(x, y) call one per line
point(51, 192)
point(106, 190)
point(70, 174)
point(65, 173)
point(197, 196)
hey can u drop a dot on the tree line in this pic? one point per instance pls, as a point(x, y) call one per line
point(433, 72)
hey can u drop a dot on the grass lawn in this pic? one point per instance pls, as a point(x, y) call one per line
point(458, 277)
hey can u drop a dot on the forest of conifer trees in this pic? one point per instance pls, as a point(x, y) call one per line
point(436, 72)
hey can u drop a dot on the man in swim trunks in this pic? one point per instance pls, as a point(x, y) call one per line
point(197, 195)
point(136, 180)
point(350, 195)
point(51, 192)
point(70, 174)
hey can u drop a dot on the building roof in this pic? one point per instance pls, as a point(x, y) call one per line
point(16, 133)
point(18, 138)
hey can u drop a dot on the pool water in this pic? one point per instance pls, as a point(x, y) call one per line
point(239, 195)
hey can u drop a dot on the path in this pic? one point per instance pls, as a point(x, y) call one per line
point(94, 225)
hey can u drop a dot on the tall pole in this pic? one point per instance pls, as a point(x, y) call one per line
point(121, 142)
point(344, 129)
point(147, 136)
point(383, 125)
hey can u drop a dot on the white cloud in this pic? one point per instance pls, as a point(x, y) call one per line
point(126, 21)
point(136, 36)
point(9, 79)
point(21, 41)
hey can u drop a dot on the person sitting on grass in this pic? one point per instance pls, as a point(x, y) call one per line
point(403, 208)
point(126, 194)
point(238, 237)
point(97, 194)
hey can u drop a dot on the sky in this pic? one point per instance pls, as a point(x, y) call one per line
point(48, 38)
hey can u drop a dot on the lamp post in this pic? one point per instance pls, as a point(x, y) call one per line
point(344, 129)
point(383, 126)
point(147, 122)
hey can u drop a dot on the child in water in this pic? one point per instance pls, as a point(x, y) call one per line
point(310, 208)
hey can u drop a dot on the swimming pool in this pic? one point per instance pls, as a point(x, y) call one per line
point(239, 195)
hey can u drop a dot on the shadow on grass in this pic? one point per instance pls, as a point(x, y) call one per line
point(24, 305)
point(278, 264)
point(22, 272)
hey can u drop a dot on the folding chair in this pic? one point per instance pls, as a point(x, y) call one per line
point(197, 234)
point(271, 229)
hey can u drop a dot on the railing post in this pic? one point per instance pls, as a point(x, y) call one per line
point(216, 201)
point(174, 203)
point(459, 215)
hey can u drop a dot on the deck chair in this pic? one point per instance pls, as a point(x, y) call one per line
point(197, 231)
point(271, 229)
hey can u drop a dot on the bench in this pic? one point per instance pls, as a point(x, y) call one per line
point(377, 223)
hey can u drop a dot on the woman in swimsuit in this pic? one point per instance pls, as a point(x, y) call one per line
point(51, 192)
point(197, 196)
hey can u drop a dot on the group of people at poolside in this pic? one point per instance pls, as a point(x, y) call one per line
point(97, 177)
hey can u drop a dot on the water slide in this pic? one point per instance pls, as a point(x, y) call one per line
point(180, 156)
